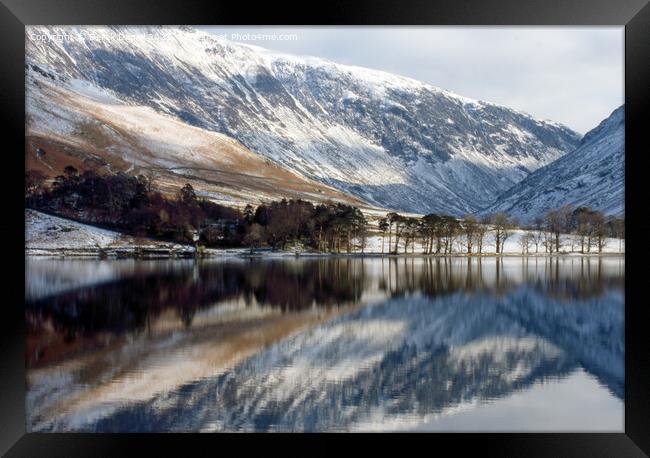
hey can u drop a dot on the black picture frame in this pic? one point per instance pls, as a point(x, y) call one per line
point(633, 14)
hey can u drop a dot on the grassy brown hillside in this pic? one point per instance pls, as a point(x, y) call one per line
point(87, 131)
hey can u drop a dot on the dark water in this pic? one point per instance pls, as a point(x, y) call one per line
point(344, 344)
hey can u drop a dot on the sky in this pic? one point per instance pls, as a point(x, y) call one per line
point(573, 75)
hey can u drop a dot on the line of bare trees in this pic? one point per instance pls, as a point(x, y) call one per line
point(576, 228)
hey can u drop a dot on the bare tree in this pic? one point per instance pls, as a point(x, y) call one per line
point(450, 230)
point(600, 234)
point(481, 232)
point(537, 234)
point(583, 227)
point(509, 230)
point(548, 241)
point(583, 231)
point(554, 225)
point(469, 227)
point(536, 237)
point(524, 242)
point(502, 230)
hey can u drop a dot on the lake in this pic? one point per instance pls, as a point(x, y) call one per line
point(326, 344)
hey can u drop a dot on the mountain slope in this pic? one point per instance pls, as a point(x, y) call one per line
point(592, 175)
point(74, 123)
point(389, 140)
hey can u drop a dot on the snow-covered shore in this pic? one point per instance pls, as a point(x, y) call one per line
point(570, 244)
point(48, 235)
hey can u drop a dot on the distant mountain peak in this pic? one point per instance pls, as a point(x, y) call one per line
point(616, 118)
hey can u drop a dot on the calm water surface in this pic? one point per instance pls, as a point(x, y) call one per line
point(326, 344)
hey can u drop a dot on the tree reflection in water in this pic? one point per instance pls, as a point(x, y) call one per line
point(129, 303)
point(544, 316)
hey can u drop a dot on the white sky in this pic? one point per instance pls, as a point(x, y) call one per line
point(573, 75)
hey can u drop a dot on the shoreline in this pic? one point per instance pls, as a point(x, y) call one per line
point(187, 252)
point(52, 236)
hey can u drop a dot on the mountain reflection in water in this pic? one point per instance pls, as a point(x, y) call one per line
point(322, 344)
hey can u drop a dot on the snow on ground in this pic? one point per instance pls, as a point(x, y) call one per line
point(512, 245)
point(46, 234)
point(50, 232)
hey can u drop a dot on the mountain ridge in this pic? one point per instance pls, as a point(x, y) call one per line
point(592, 175)
point(388, 140)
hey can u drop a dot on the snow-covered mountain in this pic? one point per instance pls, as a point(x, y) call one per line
point(75, 123)
point(592, 175)
point(389, 140)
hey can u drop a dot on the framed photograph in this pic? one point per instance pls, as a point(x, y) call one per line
point(376, 218)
